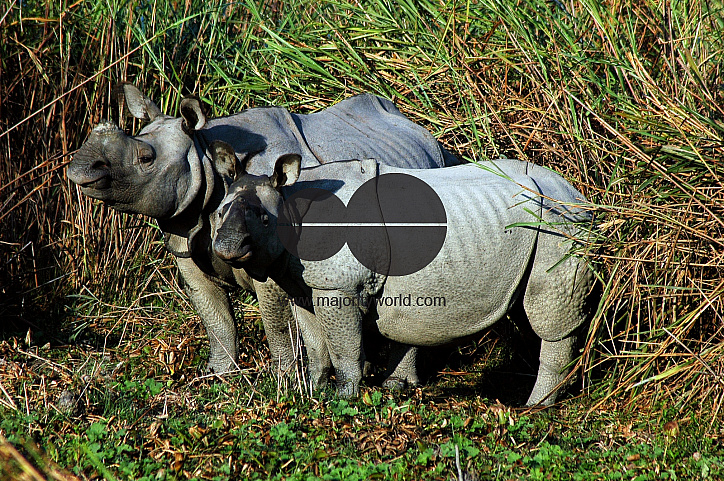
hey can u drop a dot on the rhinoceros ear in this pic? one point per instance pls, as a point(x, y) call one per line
point(194, 118)
point(225, 161)
point(286, 170)
point(137, 104)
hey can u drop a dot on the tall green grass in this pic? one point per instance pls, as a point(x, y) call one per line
point(625, 99)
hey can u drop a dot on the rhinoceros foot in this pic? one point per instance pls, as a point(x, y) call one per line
point(402, 368)
point(221, 366)
point(397, 384)
point(348, 389)
point(348, 385)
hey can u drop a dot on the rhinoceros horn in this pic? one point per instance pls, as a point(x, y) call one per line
point(100, 144)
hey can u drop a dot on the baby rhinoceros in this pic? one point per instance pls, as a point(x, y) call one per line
point(359, 242)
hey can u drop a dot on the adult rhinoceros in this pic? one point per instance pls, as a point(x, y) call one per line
point(504, 236)
point(165, 172)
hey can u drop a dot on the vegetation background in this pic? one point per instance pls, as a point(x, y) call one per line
point(624, 98)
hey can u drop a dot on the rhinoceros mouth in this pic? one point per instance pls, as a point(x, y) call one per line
point(98, 188)
point(95, 177)
point(243, 253)
point(234, 254)
point(100, 182)
point(244, 258)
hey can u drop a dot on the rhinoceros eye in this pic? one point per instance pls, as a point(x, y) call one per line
point(146, 155)
point(264, 220)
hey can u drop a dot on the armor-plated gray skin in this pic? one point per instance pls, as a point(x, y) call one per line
point(506, 241)
point(165, 172)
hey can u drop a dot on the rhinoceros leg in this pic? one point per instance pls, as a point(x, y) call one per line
point(212, 304)
point(556, 301)
point(279, 325)
point(554, 359)
point(320, 364)
point(402, 368)
point(340, 319)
